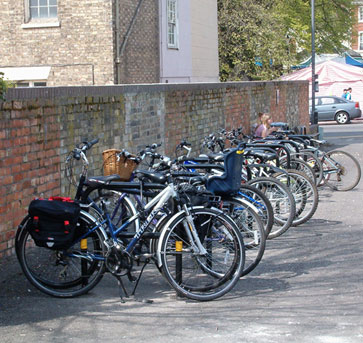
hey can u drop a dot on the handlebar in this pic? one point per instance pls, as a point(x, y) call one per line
point(83, 147)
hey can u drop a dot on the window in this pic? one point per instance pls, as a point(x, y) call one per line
point(172, 24)
point(31, 84)
point(43, 9)
point(360, 42)
point(327, 101)
point(360, 13)
point(40, 13)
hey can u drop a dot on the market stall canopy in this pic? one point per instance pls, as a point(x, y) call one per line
point(333, 77)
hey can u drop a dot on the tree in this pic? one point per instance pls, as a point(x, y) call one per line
point(334, 21)
point(3, 86)
point(260, 39)
point(251, 43)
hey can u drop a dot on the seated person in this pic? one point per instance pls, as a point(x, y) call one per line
point(264, 129)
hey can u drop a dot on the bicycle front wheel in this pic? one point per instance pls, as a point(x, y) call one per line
point(67, 273)
point(260, 201)
point(342, 171)
point(305, 194)
point(250, 225)
point(282, 201)
point(202, 275)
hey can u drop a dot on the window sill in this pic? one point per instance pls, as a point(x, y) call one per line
point(37, 25)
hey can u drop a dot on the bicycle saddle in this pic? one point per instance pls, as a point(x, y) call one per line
point(96, 180)
point(152, 176)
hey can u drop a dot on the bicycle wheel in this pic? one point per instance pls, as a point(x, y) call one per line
point(310, 164)
point(342, 171)
point(63, 273)
point(120, 208)
point(250, 225)
point(305, 194)
point(301, 165)
point(260, 201)
point(202, 275)
point(282, 202)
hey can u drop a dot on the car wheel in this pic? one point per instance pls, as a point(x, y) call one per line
point(342, 117)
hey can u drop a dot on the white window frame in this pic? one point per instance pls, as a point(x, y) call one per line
point(172, 24)
point(39, 22)
point(360, 40)
point(360, 14)
point(31, 83)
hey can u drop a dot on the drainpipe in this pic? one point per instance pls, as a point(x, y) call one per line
point(121, 50)
point(117, 38)
point(128, 32)
point(161, 61)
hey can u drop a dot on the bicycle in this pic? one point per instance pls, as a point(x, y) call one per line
point(199, 250)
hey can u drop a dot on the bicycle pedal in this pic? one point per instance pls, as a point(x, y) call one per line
point(146, 256)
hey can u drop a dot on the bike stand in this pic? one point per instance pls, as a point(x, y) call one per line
point(123, 291)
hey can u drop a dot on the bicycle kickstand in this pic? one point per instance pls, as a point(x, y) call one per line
point(122, 289)
point(138, 280)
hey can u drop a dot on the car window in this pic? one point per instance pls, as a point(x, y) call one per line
point(327, 101)
point(340, 101)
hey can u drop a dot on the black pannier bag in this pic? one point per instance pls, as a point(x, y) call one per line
point(53, 222)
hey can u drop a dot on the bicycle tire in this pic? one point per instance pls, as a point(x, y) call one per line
point(314, 164)
point(252, 229)
point(260, 201)
point(57, 273)
point(120, 209)
point(301, 165)
point(305, 193)
point(206, 277)
point(282, 201)
point(348, 174)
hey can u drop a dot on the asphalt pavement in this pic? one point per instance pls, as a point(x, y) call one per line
point(308, 288)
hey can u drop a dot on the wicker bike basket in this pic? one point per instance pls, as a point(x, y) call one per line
point(114, 164)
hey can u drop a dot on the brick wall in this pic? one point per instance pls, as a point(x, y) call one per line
point(140, 61)
point(81, 50)
point(358, 27)
point(39, 126)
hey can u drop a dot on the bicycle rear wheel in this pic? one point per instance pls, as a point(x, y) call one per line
point(251, 227)
point(305, 194)
point(119, 207)
point(67, 273)
point(196, 275)
point(282, 201)
point(260, 201)
point(342, 171)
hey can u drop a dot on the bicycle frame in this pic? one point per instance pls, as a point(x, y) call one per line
point(155, 205)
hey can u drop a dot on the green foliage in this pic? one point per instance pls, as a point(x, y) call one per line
point(277, 34)
point(3, 86)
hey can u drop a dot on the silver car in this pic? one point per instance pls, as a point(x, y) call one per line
point(335, 108)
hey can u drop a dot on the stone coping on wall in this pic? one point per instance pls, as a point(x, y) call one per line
point(114, 90)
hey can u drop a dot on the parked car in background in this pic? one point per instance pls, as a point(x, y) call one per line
point(335, 108)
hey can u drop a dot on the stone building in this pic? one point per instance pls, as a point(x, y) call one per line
point(105, 42)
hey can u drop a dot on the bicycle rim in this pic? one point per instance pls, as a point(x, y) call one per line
point(203, 277)
point(305, 194)
point(60, 273)
point(261, 203)
point(251, 228)
point(342, 171)
point(282, 202)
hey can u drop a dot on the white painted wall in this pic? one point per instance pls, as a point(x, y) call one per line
point(196, 59)
point(204, 41)
point(176, 64)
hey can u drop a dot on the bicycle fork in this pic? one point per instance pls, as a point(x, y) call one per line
point(192, 233)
